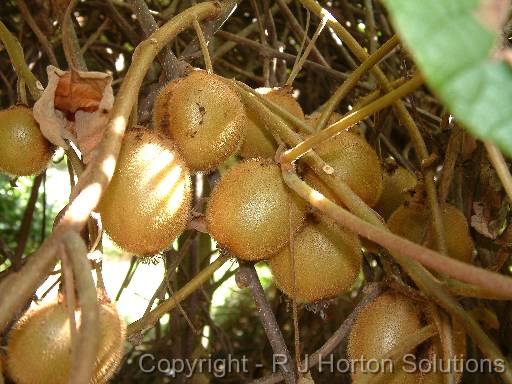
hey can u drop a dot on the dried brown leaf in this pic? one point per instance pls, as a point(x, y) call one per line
point(75, 107)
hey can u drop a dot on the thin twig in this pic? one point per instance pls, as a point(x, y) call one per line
point(450, 160)
point(498, 162)
point(370, 292)
point(351, 82)
point(267, 51)
point(296, 68)
point(172, 67)
point(45, 44)
point(247, 277)
point(299, 33)
point(204, 47)
point(148, 320)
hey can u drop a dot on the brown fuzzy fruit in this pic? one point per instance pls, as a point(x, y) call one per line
point(25, 151)
point(381, 326)
point(38, 350)
point(396, 183)
point(327, 262)
point(250, 210)
point(258, 140)
point(411, 222)
point(355, 162)
point(147, 203)
point(204, 116)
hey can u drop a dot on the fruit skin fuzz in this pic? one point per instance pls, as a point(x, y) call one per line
point(355, 162)
point(147, 204)
point(39, 345)
point(25, 151)
point(327, 261)
point(380, 327)
point(250, 210)
point(205, 118)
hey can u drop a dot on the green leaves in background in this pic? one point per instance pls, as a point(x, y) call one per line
point(456, 44)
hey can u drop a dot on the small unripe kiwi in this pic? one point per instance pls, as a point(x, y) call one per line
point(147, 203)
point(204, 116)
point(411, 221)
point(258, 140)
point(24, 149)
point(251, 210)
point(327, 261)
point(381, 326)
point(396, 183)
point(39, 346)
point(354, 161)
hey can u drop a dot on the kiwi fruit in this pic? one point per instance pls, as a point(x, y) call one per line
point(411, 221)
point(25, 151)
point(327, 261)
point(381, 326)
point(251, 210)
point(204, 116)
point(259, 142)
point(147, 203)
point(38, 349)
point(354, 161)
point(396, 182)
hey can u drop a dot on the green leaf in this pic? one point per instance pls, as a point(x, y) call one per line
point(453, 43)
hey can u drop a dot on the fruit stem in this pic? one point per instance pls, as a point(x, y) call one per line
point(299, 64)
point(18, 287)
point(22, 91)
point(450, 159)
point(409, 255)
point(148, 320)
point(397, 353)
point(15, 51)
point(70, 43)
point(85, 347)
point(498, 162)
point(204, 47)
point(329, 107)
point(352, 118)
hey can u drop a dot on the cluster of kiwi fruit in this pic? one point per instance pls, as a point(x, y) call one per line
point(39, 345)
point(387, 322)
